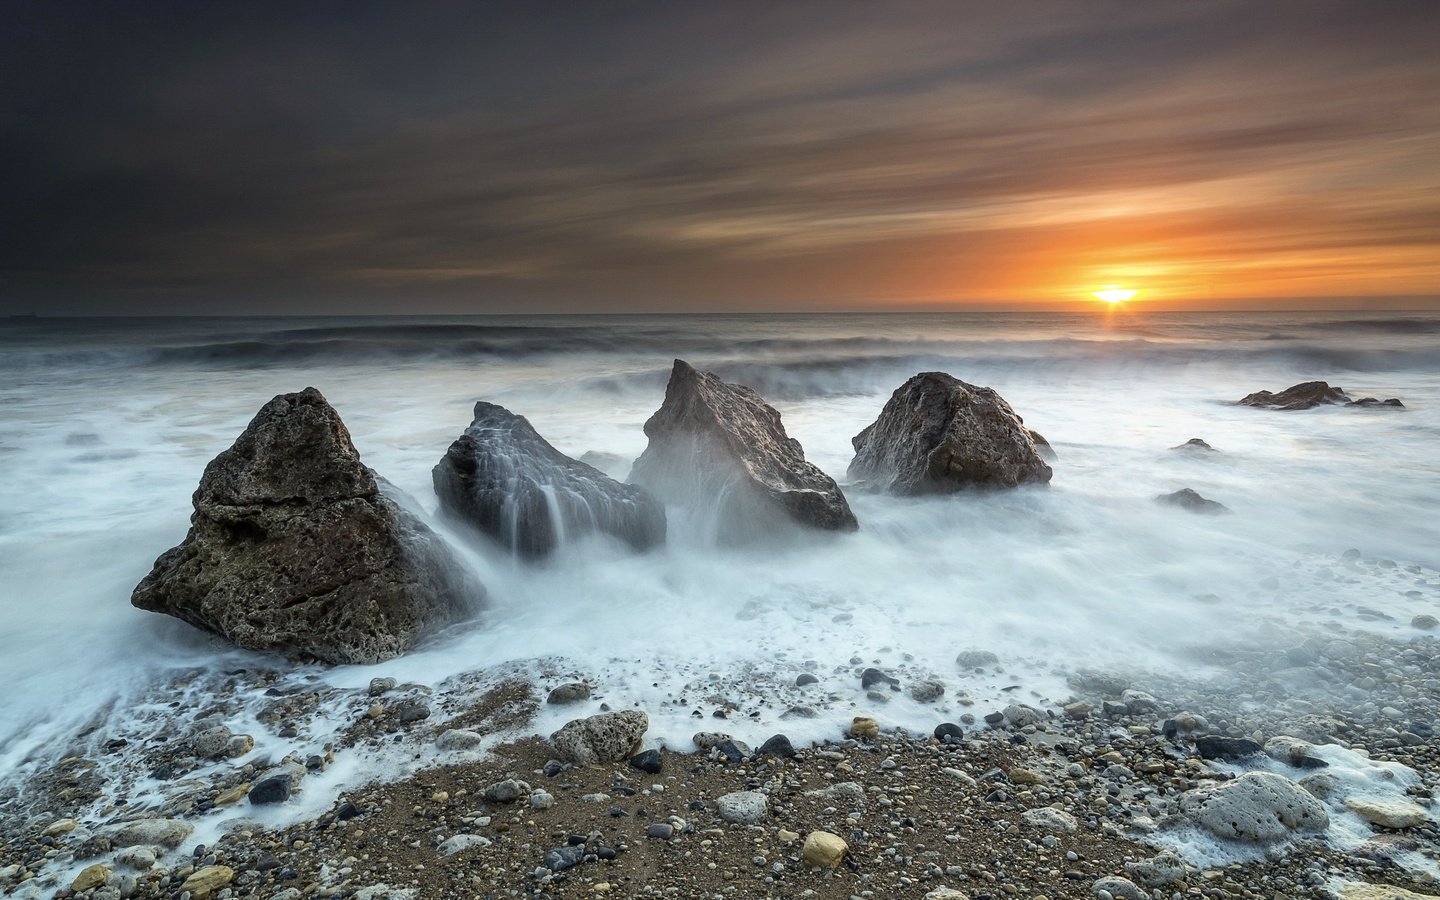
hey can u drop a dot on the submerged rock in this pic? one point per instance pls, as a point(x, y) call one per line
point(938, 434)
point(722, 444)
point(1393, 402)
point(293, 547)
point(505, 480)
point(1042, 446)
point(1197, 445)
point(1187, 499)
point(1306, 395)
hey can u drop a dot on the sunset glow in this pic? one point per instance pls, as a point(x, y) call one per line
point(1113, 295)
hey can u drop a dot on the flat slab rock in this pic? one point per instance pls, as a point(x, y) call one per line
point(1306, 395)
point(722, 447)
point(502, 478)
point(938, 435)
point(294, 547)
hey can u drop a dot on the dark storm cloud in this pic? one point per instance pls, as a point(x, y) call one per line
point(258, 156)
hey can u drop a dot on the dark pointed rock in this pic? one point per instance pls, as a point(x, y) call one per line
point(504, 479)
point(273, 789)
point(1307, 395)
point(779, 745)
point(649, 761)
point(718, 445)
point(294, 546)
point(1187, 499)
point(938, 434)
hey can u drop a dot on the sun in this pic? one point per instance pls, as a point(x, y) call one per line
point(1113, 295)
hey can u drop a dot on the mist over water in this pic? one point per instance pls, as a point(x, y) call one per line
point(106, 426)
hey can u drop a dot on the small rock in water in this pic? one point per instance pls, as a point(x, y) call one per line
point(806, 678)
point(648, 761)
point(872, 677)
point(573, 692)
point(457, 739)
point(823, 850)
point(974, 659)
point(1307, 395)
point(864, 727)
point(412, 711)
point(380, 686)
point(734, 751)
point(1424, 622)
point(210, 742)
point(1189, 500)
point(271, 789)
point(1195, 444)
point(927, 691)
point(949, 733)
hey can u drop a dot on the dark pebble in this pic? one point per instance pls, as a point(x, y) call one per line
point(346, 811)
point(553, 767)
point(623, 790)
point(649, 761)
point(871, 677)
point(806, 678)
point(411, 711)
point(617, 812)
point(1216, 746)
point(994, 718)
point(660, 831)
point(779, 745)
point(606, 853)
point(734, 751)
point(275, 789)
point(949, 733)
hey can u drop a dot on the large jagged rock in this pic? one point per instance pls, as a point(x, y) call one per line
point(718, 443)
point(293, 547)
point(1307, 395)
point(506, 480)
point(938, 435)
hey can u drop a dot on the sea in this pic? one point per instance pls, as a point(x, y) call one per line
point(107, 424)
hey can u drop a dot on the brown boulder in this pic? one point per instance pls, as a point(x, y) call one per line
point(293, 547)
point(938, 434)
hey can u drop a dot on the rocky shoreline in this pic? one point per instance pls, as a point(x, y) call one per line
point(1092, 793)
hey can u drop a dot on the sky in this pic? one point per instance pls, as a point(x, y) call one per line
point(196, 158)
